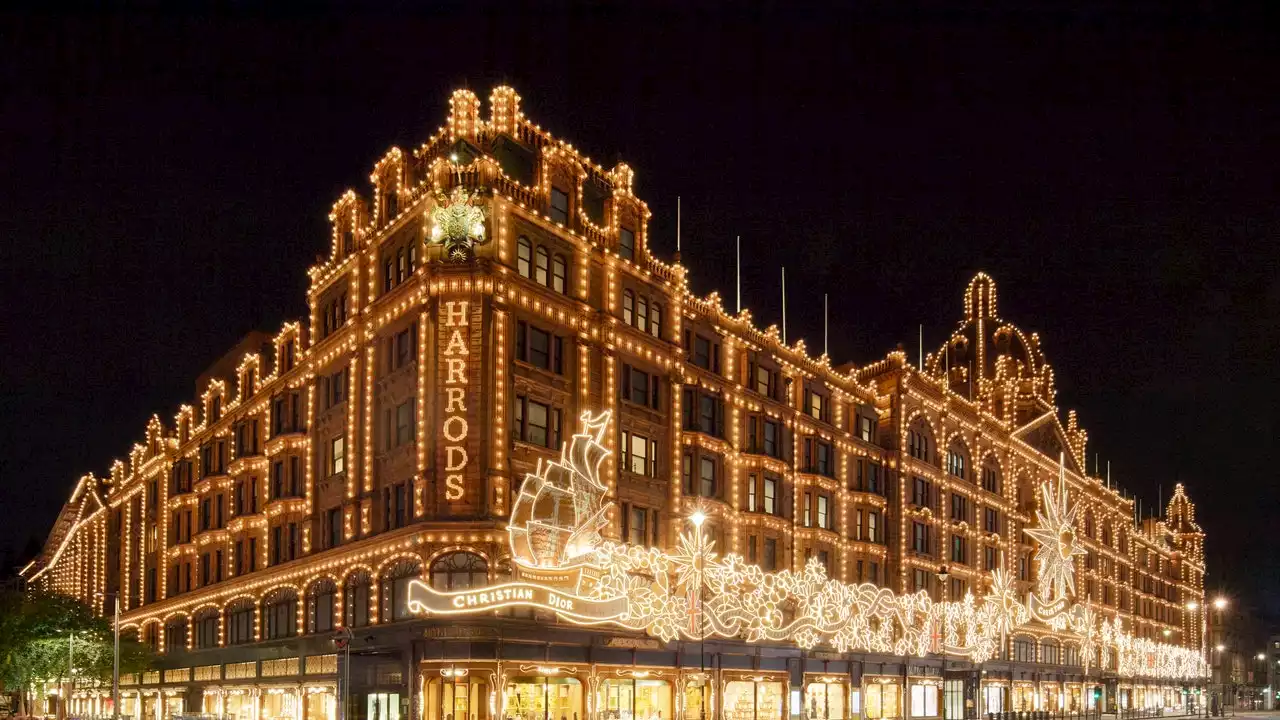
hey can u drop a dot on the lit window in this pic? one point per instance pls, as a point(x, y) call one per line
point(337, 455)
point(559, 272)
point(559, 206)
point(524, 257)
point(541, 266)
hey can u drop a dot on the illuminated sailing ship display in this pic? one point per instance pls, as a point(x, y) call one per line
point(566, 566)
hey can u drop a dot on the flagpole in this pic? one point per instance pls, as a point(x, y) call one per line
point(921, 365)
point(784, 304)
point(824, 325)
point(677, 228)
point(738, 262)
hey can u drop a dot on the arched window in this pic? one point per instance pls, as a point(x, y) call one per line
point(559, 273)
point(355, 599)
point(524, 257)
point(239, 621)
point(1024, 649)
point(991, 476)
point(628, 307)
point(642, 314)
point(1071, 655)
point(655, 320)
point(459, 571)
point(1050, 652)
point(206, 628)
point(175, 634)
point(957, 460)
point(920, 440)
point(151, 636)
point(540, 270)
point(280, 613)
point(320, 605)
point(395, 589)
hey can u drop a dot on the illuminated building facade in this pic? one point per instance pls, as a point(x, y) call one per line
point(494, 287)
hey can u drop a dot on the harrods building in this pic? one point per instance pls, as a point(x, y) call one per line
point(319, 469)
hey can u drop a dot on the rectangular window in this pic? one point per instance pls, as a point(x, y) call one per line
point(627, 244)
point(924, 701)
point(991, 520)
point(771, 434)
point(701, 352)
point(920, 492)
point(539, 348)
point(752, 541)
point(337, 455)
point(814, 405)
point(920, 538)
point(639, 454)
point(333, 521)
point(707, 477)
point(959, 507)
point(771, 495)
point(958, 550)
point(873, 525)
point(559, 206)
point(637, 526)
point(989, 558)
point(763, 381)
point(824, 517)
point(404, 422)
point(770, 554)
point(866, 428)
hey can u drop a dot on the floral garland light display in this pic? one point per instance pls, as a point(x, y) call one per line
point(692, 592)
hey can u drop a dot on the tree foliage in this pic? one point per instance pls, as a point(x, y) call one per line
point(44, 637)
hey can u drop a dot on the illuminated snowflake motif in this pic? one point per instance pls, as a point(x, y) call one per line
point(1057, 536)
point(457, 223)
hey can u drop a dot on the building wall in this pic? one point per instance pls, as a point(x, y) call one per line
point(392, 429)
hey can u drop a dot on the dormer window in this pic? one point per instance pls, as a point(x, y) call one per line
point(815, 405)
point(215, 408)
point(627, 244)
point(348, 242)
point(288, 357)
point(559, 206)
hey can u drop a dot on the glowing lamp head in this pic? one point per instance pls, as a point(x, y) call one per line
point(1261, 656)
point(1219, 603)
point(1193, 605)
point(697, 518)
point(453, 157)
point(1220, 647)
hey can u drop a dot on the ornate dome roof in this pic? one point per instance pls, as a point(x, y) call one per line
point(994, 362)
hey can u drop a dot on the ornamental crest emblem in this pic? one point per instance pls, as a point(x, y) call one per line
point(457, 223)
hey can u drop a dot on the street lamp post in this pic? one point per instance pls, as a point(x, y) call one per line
point(115, 660)
point(697, 518)
point(943, 574)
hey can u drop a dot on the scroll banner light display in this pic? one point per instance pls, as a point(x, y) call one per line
point(565, 566)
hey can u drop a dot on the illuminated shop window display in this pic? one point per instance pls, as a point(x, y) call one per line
point(698, 700)
point(281, 704)
point(544, 698)
point(1073, 698)
point(635, 699)
point(382, 706)
point(320, 704)
point(238, 705)
point(882, 699)
point(825, 699)
point(1024, 697)
point(993, 700)
point(924, 699)
point(460, 696)
point(754, 700)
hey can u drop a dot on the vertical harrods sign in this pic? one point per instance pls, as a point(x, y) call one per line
point(457, 442)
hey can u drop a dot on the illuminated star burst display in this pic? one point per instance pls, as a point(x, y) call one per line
point(1057, 536)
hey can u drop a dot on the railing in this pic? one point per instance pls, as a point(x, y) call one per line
point(1045, 715)
point(1136, 713)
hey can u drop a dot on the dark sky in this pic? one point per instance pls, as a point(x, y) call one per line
point(166, 182)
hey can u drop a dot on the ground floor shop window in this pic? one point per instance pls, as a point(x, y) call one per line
point(882, 700)
point(129, 707)
point(825, 701)
point(953, 700)
point(1024, 698)
point(544, 699)
point(924, 700)
point(634, 699)
point(1072, 696)
point(279, 704)
point(321, 705)
point(992, 698)
point(381, 706)
point(1050, 698)
point(238, 707)
point(457, 698)
point(753, 700)
point(697, 701)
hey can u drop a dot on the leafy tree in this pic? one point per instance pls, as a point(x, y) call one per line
point(44, 636)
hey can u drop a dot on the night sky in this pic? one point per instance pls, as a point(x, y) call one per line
point(167, 180)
